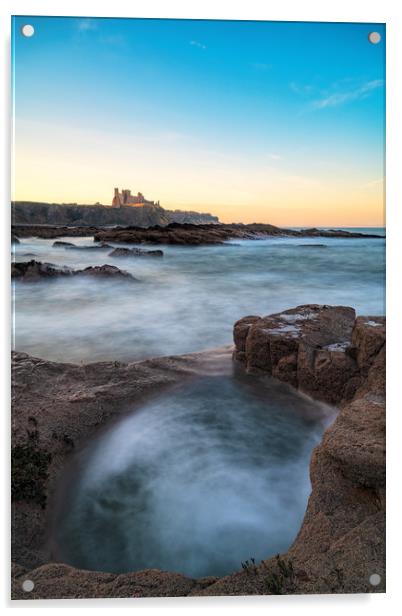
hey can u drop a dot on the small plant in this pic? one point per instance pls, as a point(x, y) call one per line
point(286, 568)
point(274, 583)
point(277, 582)
point(249, 566)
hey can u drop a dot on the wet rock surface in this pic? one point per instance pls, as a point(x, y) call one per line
point(71, 246)
point(60, 244)
point(135, 252)
point(188, 234)
point(34, 271)
point(57, 407)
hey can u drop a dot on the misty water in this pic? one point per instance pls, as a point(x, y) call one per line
point(212, 474)
point(189, 299)
point(216, 471)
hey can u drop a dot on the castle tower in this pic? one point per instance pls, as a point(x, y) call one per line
point(116, 202)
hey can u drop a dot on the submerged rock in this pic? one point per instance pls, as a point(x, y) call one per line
point(106, 271)
point(61, 244)
point(33, 271)
point(135, 252)
point(71, 246)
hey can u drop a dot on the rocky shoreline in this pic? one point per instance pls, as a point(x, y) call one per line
point(324, 351)
point(180, 233)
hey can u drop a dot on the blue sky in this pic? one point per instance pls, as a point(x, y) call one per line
point(261, 119)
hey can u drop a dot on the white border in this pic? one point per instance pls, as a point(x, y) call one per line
point(291, 10)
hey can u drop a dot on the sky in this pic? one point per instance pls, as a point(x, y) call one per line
point(277, 122)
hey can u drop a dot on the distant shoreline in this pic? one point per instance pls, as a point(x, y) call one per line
point(180, 233)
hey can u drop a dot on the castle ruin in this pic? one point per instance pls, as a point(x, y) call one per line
point(125, 198)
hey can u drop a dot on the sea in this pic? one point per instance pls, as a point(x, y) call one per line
point(188, 300)
point(215, 472)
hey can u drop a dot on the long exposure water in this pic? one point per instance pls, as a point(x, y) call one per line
point(212, 474)
point(216, 471)
point(189, 299)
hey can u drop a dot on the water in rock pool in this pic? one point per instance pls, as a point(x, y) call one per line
point(209, 475)
point(189, 299)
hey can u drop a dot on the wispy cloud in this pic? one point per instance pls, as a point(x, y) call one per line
point(275, 156)
point(198, 44)
point(373, 184)
point(301, 90)
point(84, 25)
point(346, 96)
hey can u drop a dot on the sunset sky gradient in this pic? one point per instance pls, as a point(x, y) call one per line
point(252, 121)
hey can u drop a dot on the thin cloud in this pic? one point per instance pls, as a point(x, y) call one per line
point(275, 156)
point(198, 44)
point(373, 184)
point(301, 90)
point(347, 96)
point(84, 25)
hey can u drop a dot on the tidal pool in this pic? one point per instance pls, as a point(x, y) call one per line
point(210, 474)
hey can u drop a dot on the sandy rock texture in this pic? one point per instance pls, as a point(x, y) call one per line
point(58, 407)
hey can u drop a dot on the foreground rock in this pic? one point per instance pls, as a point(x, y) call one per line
point(328, 353)
point(57, 407)
point(135, 252)
point(323, 350)
point(33, 271)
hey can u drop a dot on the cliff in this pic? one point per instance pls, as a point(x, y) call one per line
point(30, 212)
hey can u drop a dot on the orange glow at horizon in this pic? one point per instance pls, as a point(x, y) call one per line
point(58, 165)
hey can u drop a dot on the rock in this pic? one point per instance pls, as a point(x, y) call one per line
point(60, 244)
point(304, 346)
point(106, 271)
point(206, 234)
point(368, 337)
point(70, 246)
point(313, 246)
point(341, 541)
point(101, 246)
point(135, 252)
point(33, 271)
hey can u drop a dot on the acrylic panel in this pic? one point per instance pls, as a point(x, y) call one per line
point(198, 258)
